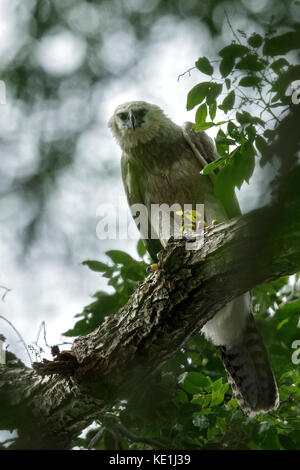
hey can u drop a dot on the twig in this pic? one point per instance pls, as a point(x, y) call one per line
point(230, 26)
point(132, 437)
point(7, 290)
point(268, 107)
point(42, 327)
point(116, 435)
point(19, 335)
point(288, 399)
point(96, 438)
point(184, 73)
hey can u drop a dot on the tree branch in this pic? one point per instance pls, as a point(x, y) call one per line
point(165, 311)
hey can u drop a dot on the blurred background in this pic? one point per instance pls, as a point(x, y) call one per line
point(66, 65)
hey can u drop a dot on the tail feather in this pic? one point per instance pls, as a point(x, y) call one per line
point(249, 372)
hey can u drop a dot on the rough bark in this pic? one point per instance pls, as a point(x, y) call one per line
point(165, 311)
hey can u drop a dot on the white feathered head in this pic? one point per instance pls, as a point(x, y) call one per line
point(137, 122)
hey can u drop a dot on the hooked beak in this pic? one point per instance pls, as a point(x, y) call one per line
point(133, 121)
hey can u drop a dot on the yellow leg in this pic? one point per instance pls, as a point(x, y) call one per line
point(154, 267)
point(212, 223)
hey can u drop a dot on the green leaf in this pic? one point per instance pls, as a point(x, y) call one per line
point(202, 400)
point(280, 45)
point(213, 110)
point(251, 132)
point(217, 398)
point(228, 102)
point(250, 62)
point(250, 81)
point(224, 140)
point(96, 266)
point(284, 80)
point(234, 132)
point(141, 249)
point(232, 404)
point(287, 442)
point(206, 411)
point(223, 185)
point(246, 162)
point(119, 257)
point(261, 144)
point(269, 134)
point(253, 446)
point(226, 66)
point(213, 92)
point(228, 83)
point(218, 391)
point(290, 307)
point(212, 432)
point(197, 95)
point(223, 150)
point(246, 118)
point(132, 272)
point(181, 396)
point(106, 303)
point(80, 328)
point(255, 40)
point(204, 126)
point(242, 163)
point(278, 64)
point(222, 143)
point(109, 272)
point(193, 382)
point(204, 66)
point(234, 50)
point(269, 440)
point(201, 114)
point(212, 166)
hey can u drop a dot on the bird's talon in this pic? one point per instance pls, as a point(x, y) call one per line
point(215, 222)
point(152, 268)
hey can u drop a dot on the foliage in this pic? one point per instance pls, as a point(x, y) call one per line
point(252, 75)
point(124, 273)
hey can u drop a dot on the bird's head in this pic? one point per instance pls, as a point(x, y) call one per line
point(137, 122)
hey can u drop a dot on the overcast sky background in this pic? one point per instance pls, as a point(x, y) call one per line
point(50, 284)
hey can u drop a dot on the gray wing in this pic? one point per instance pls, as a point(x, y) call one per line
point(131, 178)
point(205, 152)
point(202, 142)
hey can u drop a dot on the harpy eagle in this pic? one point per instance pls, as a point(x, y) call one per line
point(161, 164)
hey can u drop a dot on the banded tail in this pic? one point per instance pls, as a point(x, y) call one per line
point(249, 372)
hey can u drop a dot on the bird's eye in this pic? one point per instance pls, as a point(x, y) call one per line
point(123, 116)
point(140, 113)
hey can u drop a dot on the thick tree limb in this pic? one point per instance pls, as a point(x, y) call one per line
point(166, 310)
